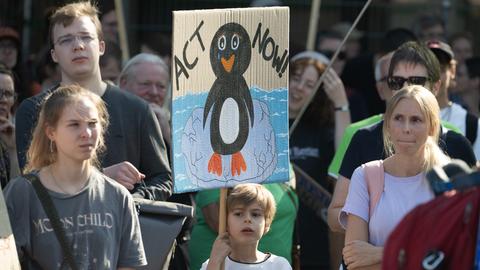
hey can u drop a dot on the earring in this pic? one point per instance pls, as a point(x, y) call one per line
point(51, 146)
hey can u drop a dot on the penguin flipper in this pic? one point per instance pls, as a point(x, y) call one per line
point(249, 103)
point(208, 106)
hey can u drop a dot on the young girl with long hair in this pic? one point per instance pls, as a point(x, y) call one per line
point(96, 213)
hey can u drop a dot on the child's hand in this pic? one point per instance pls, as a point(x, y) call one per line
point(220, 250)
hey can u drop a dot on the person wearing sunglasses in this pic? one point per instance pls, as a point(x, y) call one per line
point(397, 82)
point(363, 141)
point(327, 44)
point(8, 151)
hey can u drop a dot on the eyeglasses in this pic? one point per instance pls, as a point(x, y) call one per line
point(69, 40)
point(7, 94)
point(396, 82)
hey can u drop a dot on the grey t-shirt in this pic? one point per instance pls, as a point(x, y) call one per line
point(100, 223)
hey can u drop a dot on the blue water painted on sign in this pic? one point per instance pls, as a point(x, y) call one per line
point(266, 150)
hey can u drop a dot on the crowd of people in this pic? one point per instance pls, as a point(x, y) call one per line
point(96, 134)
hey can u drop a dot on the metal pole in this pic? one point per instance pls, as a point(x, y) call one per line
point(27, 20)
point(122, 30)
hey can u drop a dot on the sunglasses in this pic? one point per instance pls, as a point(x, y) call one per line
point(396, 82)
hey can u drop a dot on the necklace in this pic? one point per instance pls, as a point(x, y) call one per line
point(75, 187)
point(56, 182)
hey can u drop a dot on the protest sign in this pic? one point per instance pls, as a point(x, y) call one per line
point(229, 97)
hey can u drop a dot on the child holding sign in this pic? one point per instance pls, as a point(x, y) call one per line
point(251, 208)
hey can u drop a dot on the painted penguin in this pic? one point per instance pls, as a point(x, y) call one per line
point(229, 98)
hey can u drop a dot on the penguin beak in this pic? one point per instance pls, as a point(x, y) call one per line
point(228, 64)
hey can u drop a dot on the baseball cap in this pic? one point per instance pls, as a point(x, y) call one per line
point(8, 32)
point(442, 50)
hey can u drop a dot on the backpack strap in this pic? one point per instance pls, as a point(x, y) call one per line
point(375, 180)
point(471, 127)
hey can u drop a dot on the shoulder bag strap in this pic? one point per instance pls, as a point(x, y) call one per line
point(375, 180)
point(52, 215)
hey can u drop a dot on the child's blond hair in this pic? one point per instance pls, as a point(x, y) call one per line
point(246, 194)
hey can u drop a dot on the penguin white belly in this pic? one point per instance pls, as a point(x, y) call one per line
point(229, 121)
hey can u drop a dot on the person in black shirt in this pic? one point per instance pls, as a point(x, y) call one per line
point(135, 156)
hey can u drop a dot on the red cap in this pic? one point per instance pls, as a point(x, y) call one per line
point(8, 32)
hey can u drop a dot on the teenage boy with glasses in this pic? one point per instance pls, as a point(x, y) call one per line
point(409, 62)
point(135, 148)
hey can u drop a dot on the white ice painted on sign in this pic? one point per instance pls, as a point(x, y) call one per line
point(259, 152)
point(229, 121)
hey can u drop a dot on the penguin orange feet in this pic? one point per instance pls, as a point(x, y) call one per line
point(238, 164)
point(215, 164)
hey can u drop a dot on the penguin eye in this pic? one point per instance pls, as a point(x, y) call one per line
point(235, 41)
point(222, 42)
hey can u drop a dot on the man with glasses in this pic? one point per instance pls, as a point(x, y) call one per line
point(8, 152)
point(135, 155)
point(411, 63)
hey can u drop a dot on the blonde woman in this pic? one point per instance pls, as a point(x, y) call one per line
point(411, 129)
point(97, 214)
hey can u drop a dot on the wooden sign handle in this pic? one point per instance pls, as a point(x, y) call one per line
point(222, 215)
point(122, 30)
point(313, 25)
